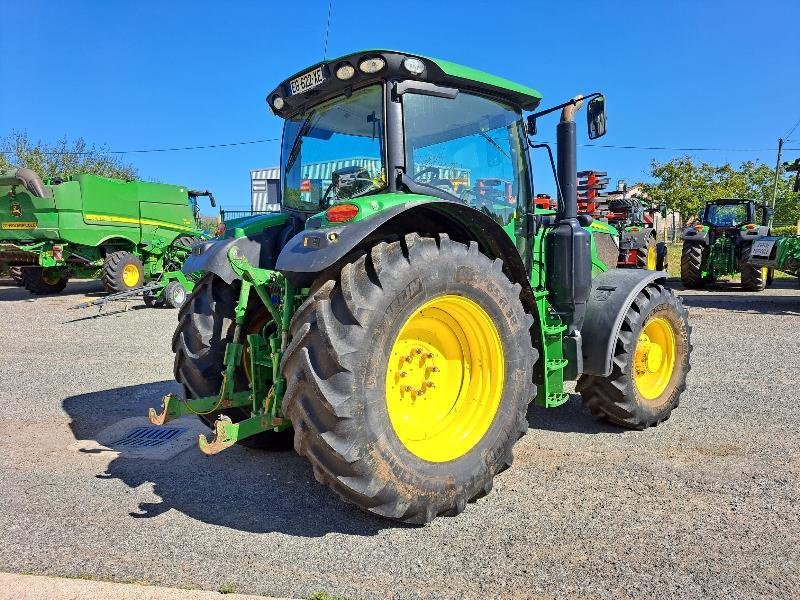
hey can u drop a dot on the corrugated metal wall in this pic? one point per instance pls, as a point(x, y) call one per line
point(265, 189)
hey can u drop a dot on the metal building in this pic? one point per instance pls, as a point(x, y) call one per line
point(265, 189)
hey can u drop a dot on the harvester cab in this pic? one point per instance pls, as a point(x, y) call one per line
point(392, 323)
point(721, 242)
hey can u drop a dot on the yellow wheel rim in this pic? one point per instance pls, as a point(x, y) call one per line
point(654, 358)
point(651, 258)
point(130, 275)
point(444, 378)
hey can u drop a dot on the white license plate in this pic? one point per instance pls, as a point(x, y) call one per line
point(306, 81)
point(762, 248)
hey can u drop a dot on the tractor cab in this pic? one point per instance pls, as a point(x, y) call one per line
point(729, 213)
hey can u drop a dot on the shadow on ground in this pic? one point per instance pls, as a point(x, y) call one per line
point(781, 298)
point(248, 490)
point(570, 417)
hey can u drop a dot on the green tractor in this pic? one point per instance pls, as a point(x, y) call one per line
point(720, 244)
point(396, 321)
point(126, 233)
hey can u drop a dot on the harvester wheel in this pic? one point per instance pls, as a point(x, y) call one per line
point(38, 280)
point(754, 279)
point(205, 326)
point(409, 376)
point(122, 271)
point(651, 360)
point(692, 264)
point(646, 256)
point(16, 275)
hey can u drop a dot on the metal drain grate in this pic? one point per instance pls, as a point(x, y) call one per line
point(148, 437)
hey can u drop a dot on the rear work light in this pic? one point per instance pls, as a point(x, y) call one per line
point(339, 213)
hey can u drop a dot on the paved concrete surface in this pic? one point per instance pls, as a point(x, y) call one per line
point(705, 505)
point(39, 587)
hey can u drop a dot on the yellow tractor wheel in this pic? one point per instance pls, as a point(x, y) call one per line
point(651, 360)
point(409, 376)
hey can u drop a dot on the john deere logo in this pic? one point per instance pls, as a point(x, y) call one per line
point(16, 209)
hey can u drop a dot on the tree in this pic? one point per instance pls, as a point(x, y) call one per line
point(685, 186)
point(61, 159)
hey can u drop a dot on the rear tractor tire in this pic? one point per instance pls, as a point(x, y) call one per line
point(754, 279)
point(122, 271)
point(650, 364)
point(662, 257)
point(692, 265)
point(408, 377)
point(205, 326)
point(40, 281)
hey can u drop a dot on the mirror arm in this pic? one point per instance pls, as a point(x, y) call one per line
point(573, 102)
point(559, 195)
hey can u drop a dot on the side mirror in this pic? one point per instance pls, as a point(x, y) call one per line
point(531, 128)
point(596, 117)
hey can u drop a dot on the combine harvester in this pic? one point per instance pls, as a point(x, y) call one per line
point(127, 233)
point(399, 327)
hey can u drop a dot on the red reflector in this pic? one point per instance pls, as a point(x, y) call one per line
point(58, 253)
point(305, 185)
point(698, 227)
point(750, 226)
point(221, 229)
point(634, 229)
point(338, 213)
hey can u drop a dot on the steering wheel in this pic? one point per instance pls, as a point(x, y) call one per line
point(432, 170)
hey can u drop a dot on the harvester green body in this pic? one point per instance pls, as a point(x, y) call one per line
point(80, 226)
point(394, 318)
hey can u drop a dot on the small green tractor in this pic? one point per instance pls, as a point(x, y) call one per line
point(396, 319)
point(125, 232)
point(720, 244)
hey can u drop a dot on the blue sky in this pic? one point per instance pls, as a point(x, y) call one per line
point(162, 74)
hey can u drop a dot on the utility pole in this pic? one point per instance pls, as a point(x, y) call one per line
point(777, 173)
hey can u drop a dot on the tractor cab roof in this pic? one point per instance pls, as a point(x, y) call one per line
point(725, 201)
point(341, 75)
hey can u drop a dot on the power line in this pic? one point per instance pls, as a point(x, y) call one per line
point(791, 131)
point(148, 150)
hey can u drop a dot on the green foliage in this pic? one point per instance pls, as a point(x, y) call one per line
point(785, 230)
point(685, 186)
point(209, 224)
point(227, 588)
point(326, 596)
point(61, 159)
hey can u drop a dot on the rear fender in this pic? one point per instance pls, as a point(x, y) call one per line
point(690, 234)
point(633, 240)
point(612, 294)
point(313, 251)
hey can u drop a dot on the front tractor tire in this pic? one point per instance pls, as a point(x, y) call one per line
point(650, 364)
point(41, 281)
point(122, 271)
point(409, 376)
point(205, 326)
point(754, 279)
point(692, 265)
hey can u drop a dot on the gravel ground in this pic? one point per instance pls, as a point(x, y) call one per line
point(705, 505)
